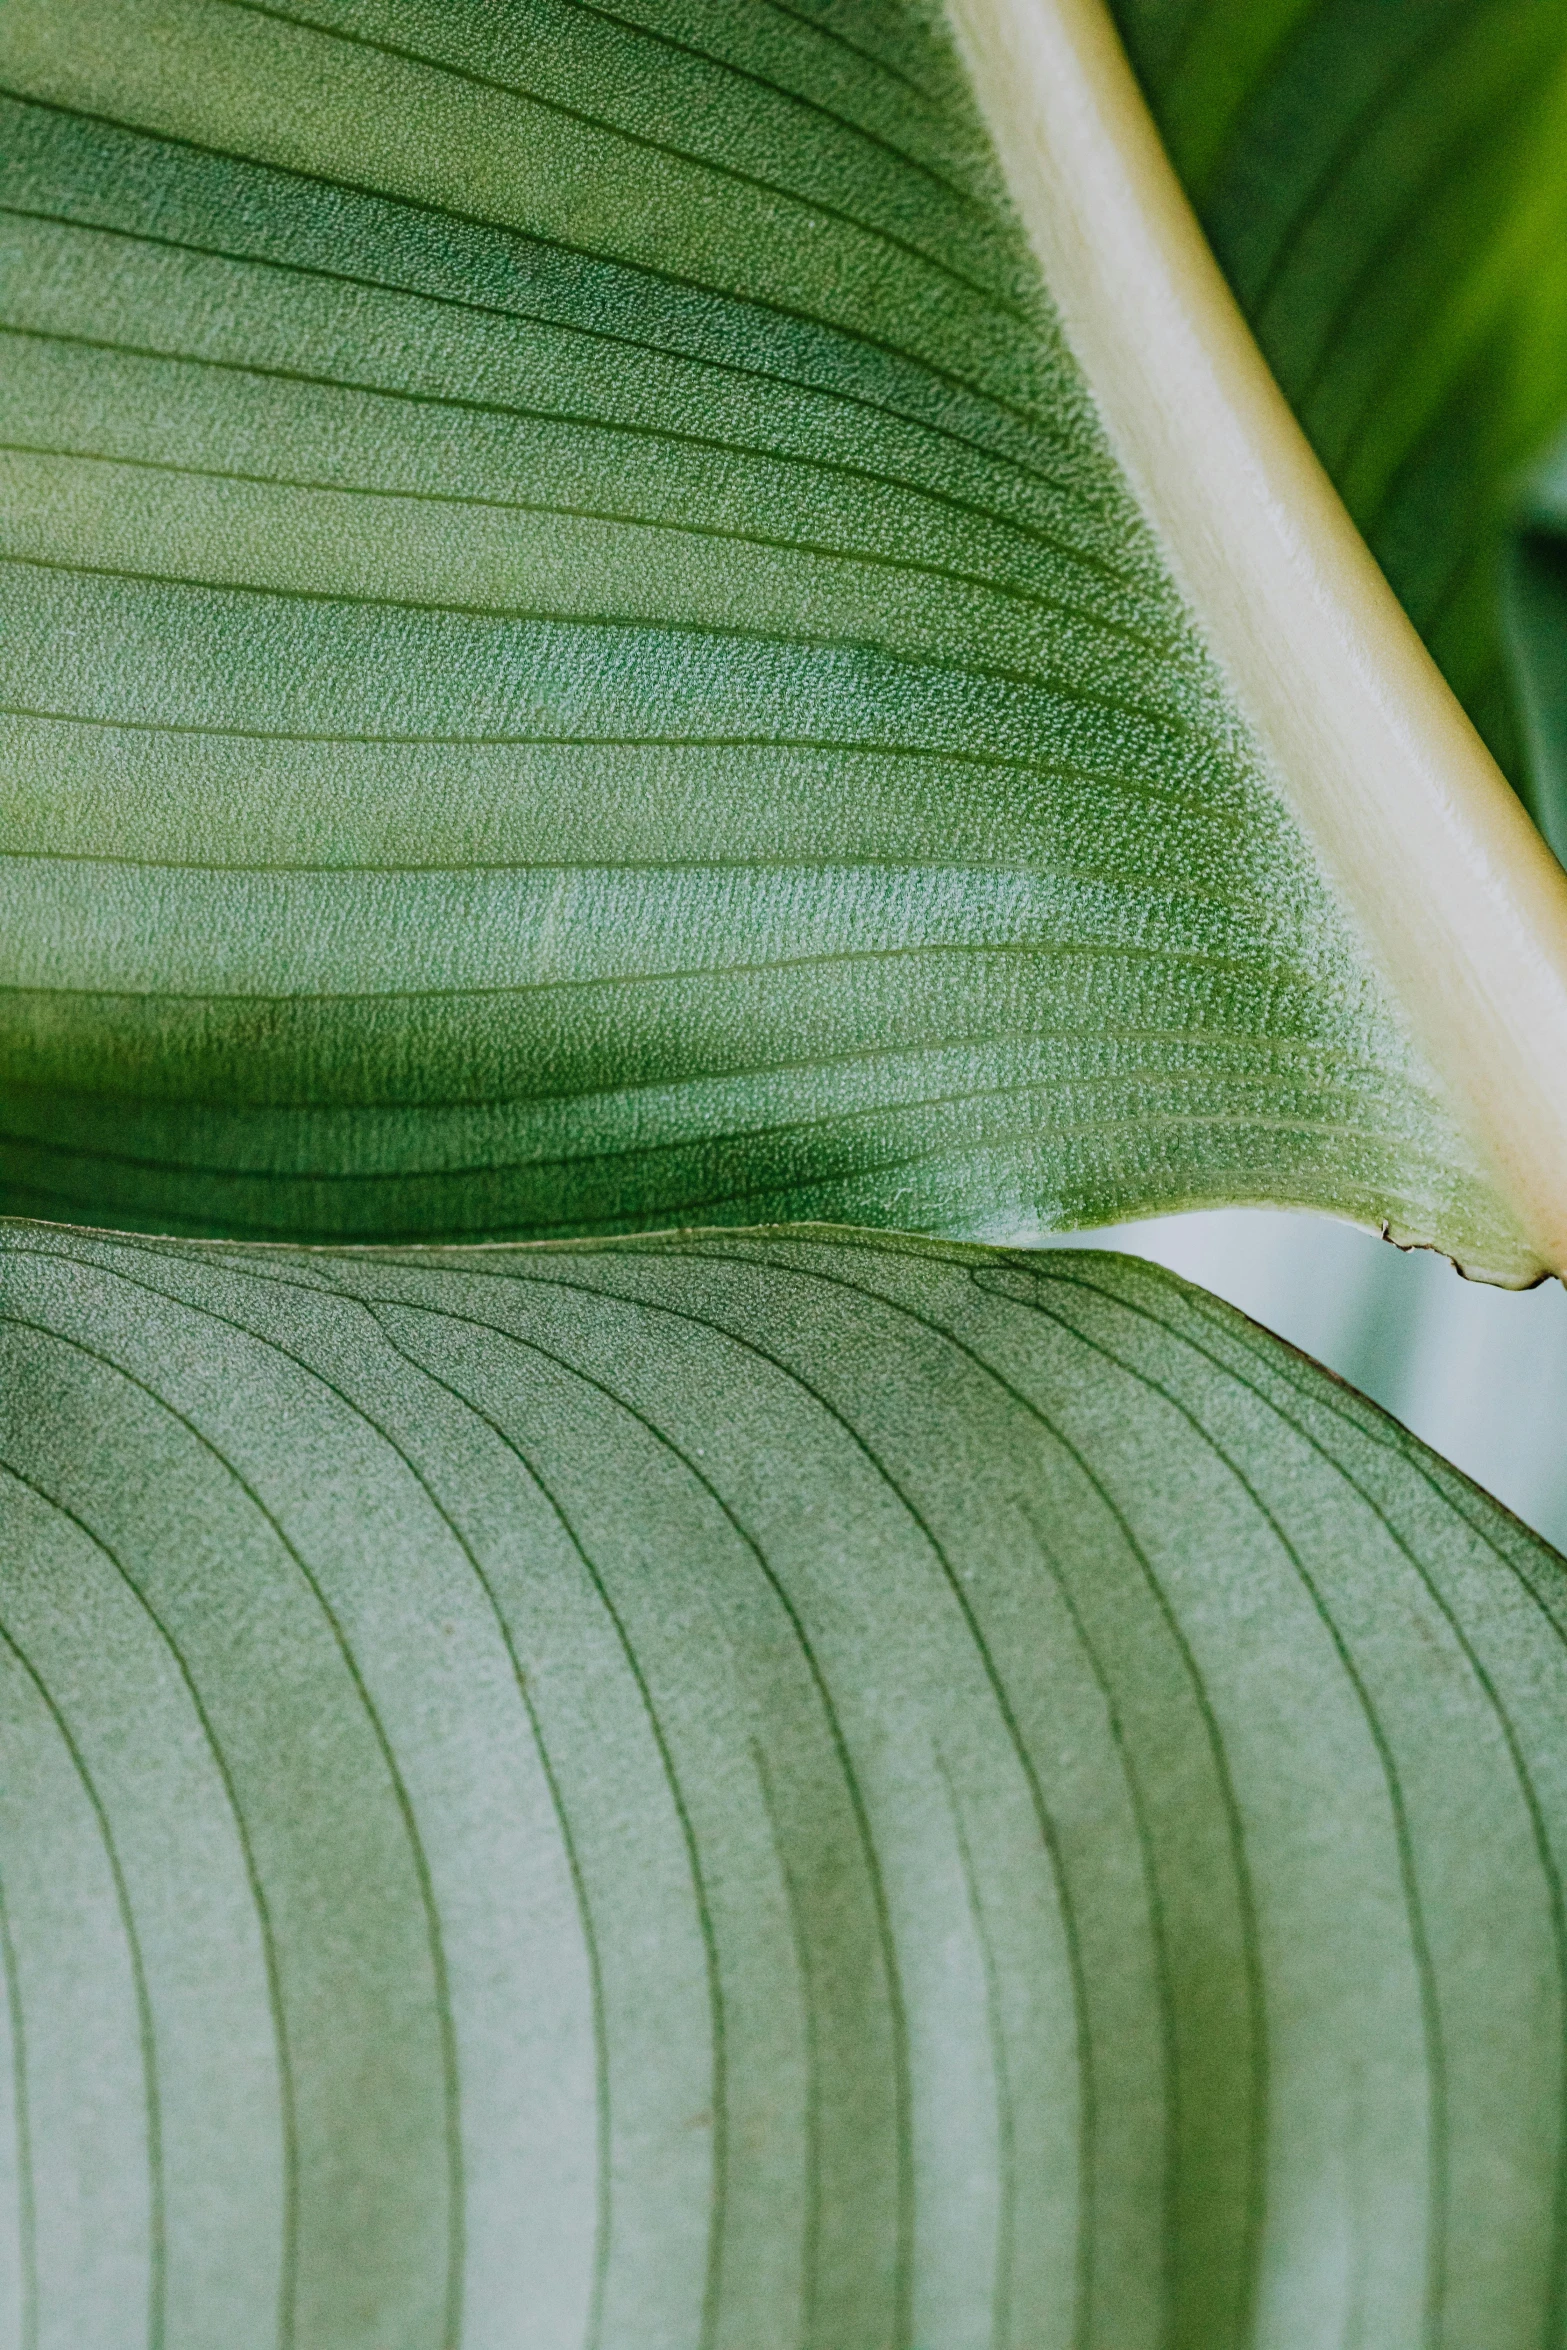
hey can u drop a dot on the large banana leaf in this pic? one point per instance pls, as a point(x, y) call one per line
point(756, 1790)
point(576, 654)
point(612, 615)
point(1386, 188)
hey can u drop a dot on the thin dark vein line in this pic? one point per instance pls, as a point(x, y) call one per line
point(849, 557)
point(1044, 769)
point(1425, 1971)
point(604, 2167)
point(453, 2315)
point(811, 2231)
point(1001, 2290)
point(157, 2249)
point(1443, 165)
point(840, 40)
point(1327, 1065)
point(26, 2188)
point(892, 866)
point(1479, 549)
point(1174, 64)
point(562, 1230)
point(1366, 1419)
point(1458, 385)
point(898, 1307)
point(1468, 379)
point(621, 1402)
point(858, 747)
point(1153, 1892)
point(626, 1225)
point(986, 295)
point(1161, 718)
point(1475, 559)
point(289, 2265)
point(792, 98)
point(1065, 485)
point(843, 1122)
point(894, 863)
point(1042, 950)
point(1369, 519)
point(571, 1230)
point(715, 292)
point(1128, 577)
point(1048, 1833)
point(1556, 1898)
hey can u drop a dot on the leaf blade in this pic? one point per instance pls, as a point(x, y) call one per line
point(1065, 956)
point(980, 1731)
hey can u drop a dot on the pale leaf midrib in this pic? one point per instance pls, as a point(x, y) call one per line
point(1457, 897)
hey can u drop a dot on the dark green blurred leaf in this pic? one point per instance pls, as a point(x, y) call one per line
point(1537, 612)
point(1386, 189)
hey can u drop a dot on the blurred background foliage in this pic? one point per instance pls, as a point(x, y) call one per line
point(1386, 190)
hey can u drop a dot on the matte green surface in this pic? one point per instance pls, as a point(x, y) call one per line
point(572, 657)
point(1385, 183)
point(756, 1790)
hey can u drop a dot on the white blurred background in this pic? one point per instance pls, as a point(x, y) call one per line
point(1480, 1374)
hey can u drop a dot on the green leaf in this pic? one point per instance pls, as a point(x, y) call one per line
point(575, 655)
point(1386, 189)
point(1537, 612)
point(756, 1789)
point(611, 614)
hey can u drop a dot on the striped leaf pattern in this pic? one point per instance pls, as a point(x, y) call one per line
point(574, 657)
point(757, 1790)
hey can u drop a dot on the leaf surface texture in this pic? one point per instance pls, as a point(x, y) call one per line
point(770, 1789)
point(575, 657)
